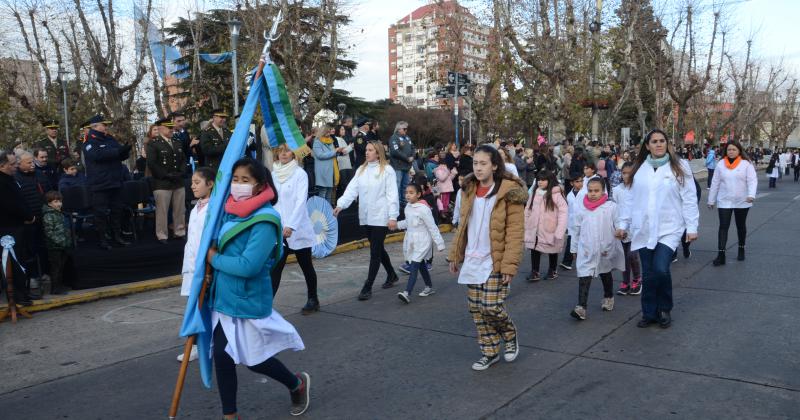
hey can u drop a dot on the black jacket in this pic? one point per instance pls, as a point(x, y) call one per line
point(103, 156)
point(33, 187)
point(165, 158)
point(14, 210)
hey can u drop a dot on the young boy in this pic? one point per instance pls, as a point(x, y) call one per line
point(577, 185)
point(59, 240)
point(71, 176)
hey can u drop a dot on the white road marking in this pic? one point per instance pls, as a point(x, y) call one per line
point(108, 317)
point(762, 195)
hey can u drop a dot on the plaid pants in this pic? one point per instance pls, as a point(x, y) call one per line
point(485, 302)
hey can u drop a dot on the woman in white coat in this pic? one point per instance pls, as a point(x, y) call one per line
point(375, 187)
point(662, 204)
point(733, 191)
point(291, 182)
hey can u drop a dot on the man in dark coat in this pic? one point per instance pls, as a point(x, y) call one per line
point(189, 144)
point(33, 185)
point(165, 159)
point(360, 143)
point(104, 175)
point(14, 216)
point(214, 139)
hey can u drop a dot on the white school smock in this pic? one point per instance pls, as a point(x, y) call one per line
point(593, 236)
point(730, 187)
point(658, 208)
point(572, 202)
point(197, 220)
point(478, 265)
point(620, 192)
point(252, 341)
point(292, 197)
point(421, 233)
point(457, 208)
point(511, 168)
point(376, 192)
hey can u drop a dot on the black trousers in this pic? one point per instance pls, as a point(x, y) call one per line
point(304, 260)
point(226, 372)
point(377, 254)
point(567, 252)
point(107, 209)
point(796, 173)
point(725, 223)
point(585, 282)
point(536, 257)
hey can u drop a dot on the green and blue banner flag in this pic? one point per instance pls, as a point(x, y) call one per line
point(268, 92)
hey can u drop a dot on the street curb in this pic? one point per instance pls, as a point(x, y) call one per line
point(174, 281)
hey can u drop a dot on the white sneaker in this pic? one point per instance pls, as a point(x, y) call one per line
point(404, 297)
point(192, 355)
point(608, 304)
point(427, 292)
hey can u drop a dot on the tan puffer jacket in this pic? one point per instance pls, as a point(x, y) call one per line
point(506, 226)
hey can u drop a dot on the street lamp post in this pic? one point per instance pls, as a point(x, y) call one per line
point(61, 74)
point(235, 25)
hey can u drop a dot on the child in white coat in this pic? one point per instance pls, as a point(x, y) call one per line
point(598, 250)
point(202, 184)
point(417, 245)
point(629, 286)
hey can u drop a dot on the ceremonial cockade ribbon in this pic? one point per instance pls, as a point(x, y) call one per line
point(7, 242)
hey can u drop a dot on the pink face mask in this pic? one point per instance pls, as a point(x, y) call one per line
point(241, 191)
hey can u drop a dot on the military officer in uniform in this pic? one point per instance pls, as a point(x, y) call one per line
point(166, 160)
point(214, 139)
point(103, 156)
point(57, 149)
point(360, 143)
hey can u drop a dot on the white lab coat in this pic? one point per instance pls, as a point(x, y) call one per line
point(658, 208)
point(421, 233)
point(197, 221)
point(620, 192)
point(376, 192)
point(292, 197)
point(730, 187)
point(510, 167)
point(344, 160)
point(572, 203)
point(593, 235)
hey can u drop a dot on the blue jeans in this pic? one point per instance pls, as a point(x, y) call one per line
point(710, 177)
point(418, 267)
point(327, 194)
point(402, 183)
point(656, 281)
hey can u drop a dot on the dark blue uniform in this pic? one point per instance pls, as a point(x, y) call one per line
point(104, 176)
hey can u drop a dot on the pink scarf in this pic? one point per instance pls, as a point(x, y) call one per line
point(592, 205)
point(247, 207)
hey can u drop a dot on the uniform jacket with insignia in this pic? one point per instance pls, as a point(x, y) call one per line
point(166, 161)
point(103, 155)
point(213, 145)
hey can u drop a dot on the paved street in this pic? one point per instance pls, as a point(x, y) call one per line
point(732, 351)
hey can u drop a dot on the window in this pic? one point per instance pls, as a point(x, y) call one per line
point(409, 89)
point(420, 88)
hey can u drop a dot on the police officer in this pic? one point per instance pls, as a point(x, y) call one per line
point(57, 149)
point(214, 139)
point(360, 142)
point(166, 159)
point(103, 156)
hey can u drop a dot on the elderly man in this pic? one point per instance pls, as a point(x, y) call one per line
point(33, 185)
point(165, 159)
point(401, 155)
point(214, 139)
point(103, 156)
point(15, 215)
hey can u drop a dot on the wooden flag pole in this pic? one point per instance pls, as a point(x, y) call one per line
point(187, 348)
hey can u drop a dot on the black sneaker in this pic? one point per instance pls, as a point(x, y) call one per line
point(365, 295)
point(552, 275)
point(485, 362)
point(312, 305)
point(534, 276)
point(664, 320)
point(512, 349)
point(301, 397)
point(390, 281)
point(566, 266)
point(644, 323)
point(623, 289)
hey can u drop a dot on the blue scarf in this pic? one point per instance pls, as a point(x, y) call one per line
point(657, 163)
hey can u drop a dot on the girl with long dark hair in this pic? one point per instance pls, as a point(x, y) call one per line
point(545, 224)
